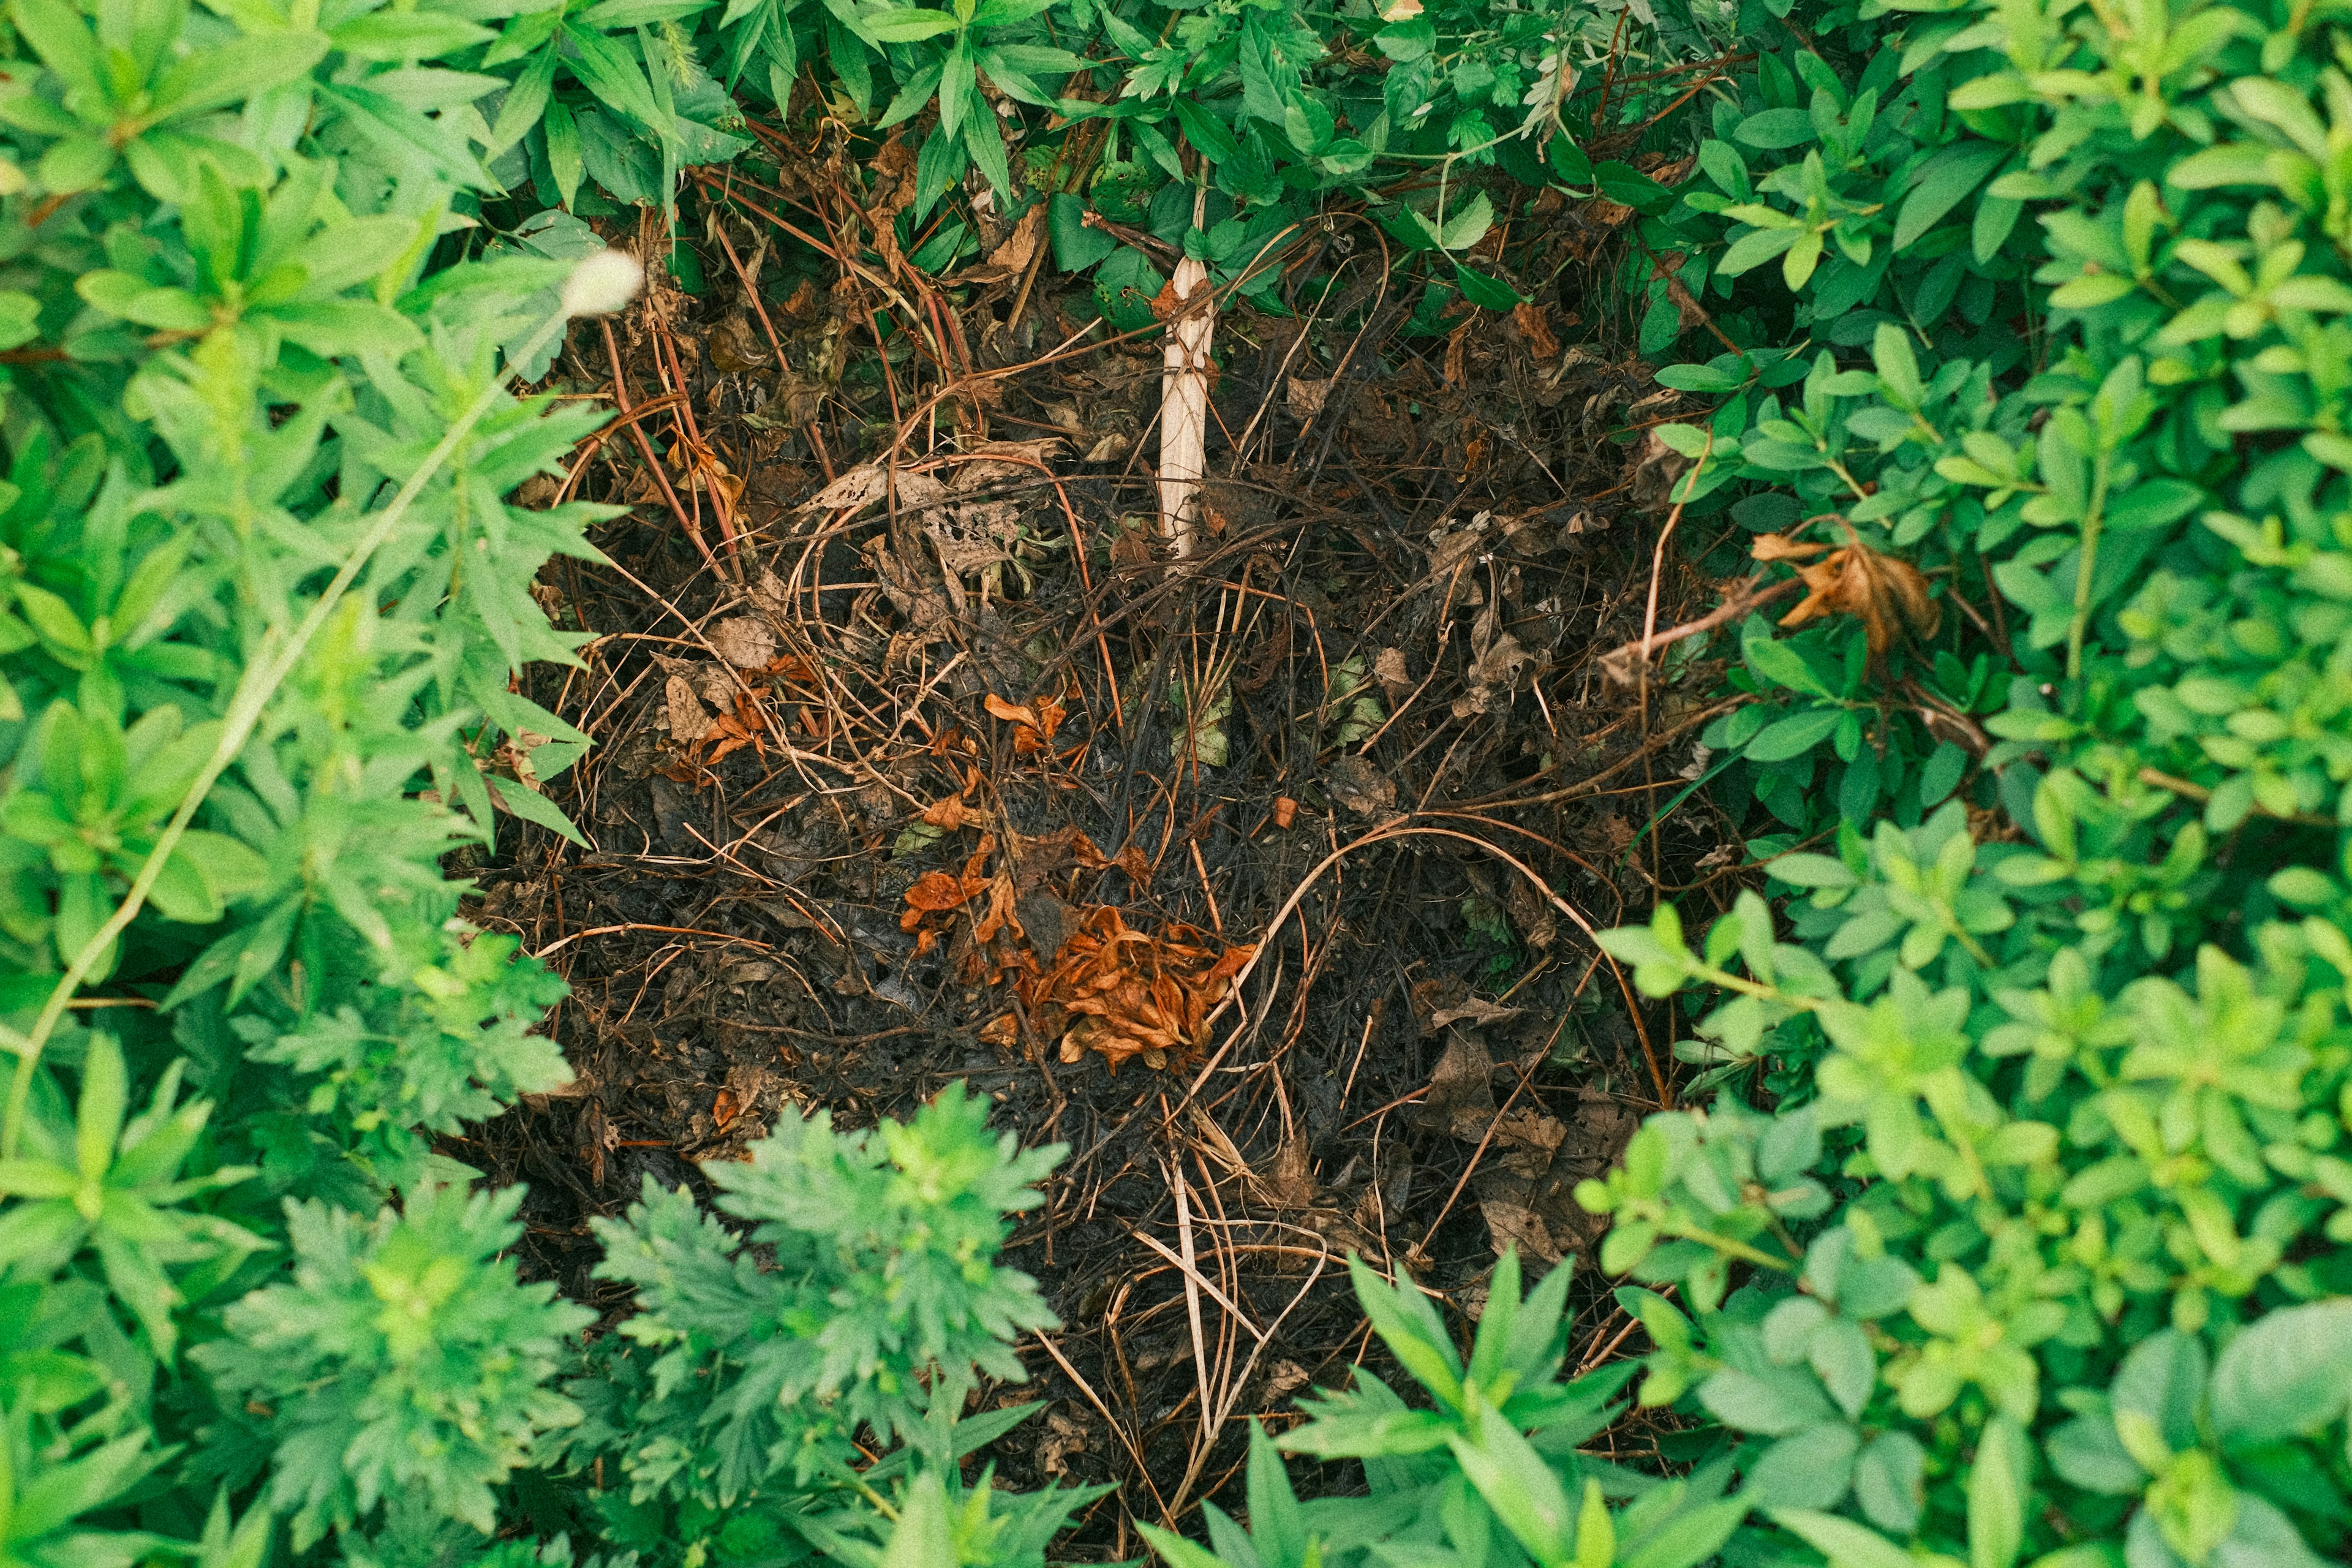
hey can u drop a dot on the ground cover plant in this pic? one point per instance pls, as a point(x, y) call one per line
point(1993, 1213)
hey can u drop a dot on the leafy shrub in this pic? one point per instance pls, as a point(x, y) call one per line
point(2037, 1255)
point(263, 597)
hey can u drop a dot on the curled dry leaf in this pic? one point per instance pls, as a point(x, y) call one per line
point(1285, 811)
point(704, 470)
point(1124, 994)
point(950, 814)
point(1535, 325)
point(1034, 722)
point(1884, 592)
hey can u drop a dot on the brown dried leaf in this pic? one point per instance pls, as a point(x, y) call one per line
point(1011, 712)
point(744, 641)
point(1780, 547)
point(1887, 593)
point(689, 721)
point(1535, 325)
point(933, 891)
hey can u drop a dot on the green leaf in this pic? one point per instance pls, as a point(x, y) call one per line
point(1995, 1491)
point(1793, 736)
point(922, 1538)
point(1488, 293)
point(563, 154)
point(1944, 182)
point(1468, 224)
point(97, 1118)
point(1179, 1551)
point(1687, 1538)
point(907, 25)
point(1889, 1481)
point(1410, 1328)
point(213, 78)
point(1514, 1480)
point(2288, 1373)
point(1845, 1544)
point(1775, 129)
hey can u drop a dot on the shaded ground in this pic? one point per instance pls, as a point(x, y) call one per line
point(932, 766)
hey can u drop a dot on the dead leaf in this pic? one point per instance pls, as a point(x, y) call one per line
point(705, 470)
point(1011, 259)
point(1527, 1186)
point(1497, 659)
point(933, 891)
point(864, 485)
point(1885, 593)
point(1390, 671)
point(1034, 722)
point(1062, 1437)
point(1284, 1375)
point(1306, 398)
point(1359, 785)
point(950, 814)
point(744, 641)
point(1460, 1100)
point(1124, 994)
point(1011, 712)
point(1476, 1010)
point(1536, 327)
point(1285, 811)
point(1653, 473)
point(689, 721)
point(1291, 1181)
point(994, 462)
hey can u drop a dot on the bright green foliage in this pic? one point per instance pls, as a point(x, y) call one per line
point(1489, 1473)
point(402, 1355)
point(732, 1402)
point(266, 274)
point(2036, 1257)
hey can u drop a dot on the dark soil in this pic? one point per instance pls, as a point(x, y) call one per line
point(1365, 730)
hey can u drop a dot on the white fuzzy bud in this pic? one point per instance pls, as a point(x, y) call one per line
point(603, 284)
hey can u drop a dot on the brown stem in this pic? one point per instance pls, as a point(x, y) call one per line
point(646, 450)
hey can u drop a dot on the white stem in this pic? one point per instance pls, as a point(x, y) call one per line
point(1184, 406)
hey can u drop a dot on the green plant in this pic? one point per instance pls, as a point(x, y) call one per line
point(1489, 1472)
point(2034, 1255)
point(732, 1403)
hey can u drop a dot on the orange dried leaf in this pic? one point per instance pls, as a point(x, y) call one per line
point(999, 916)
point(1011, 712)
point(1285, 811)
point(950, 814)
point(1780, 547)
point(1884, 593)
point(724, 1109)
point(933, 891)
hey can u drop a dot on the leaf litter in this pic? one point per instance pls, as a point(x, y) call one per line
point(950, 771)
